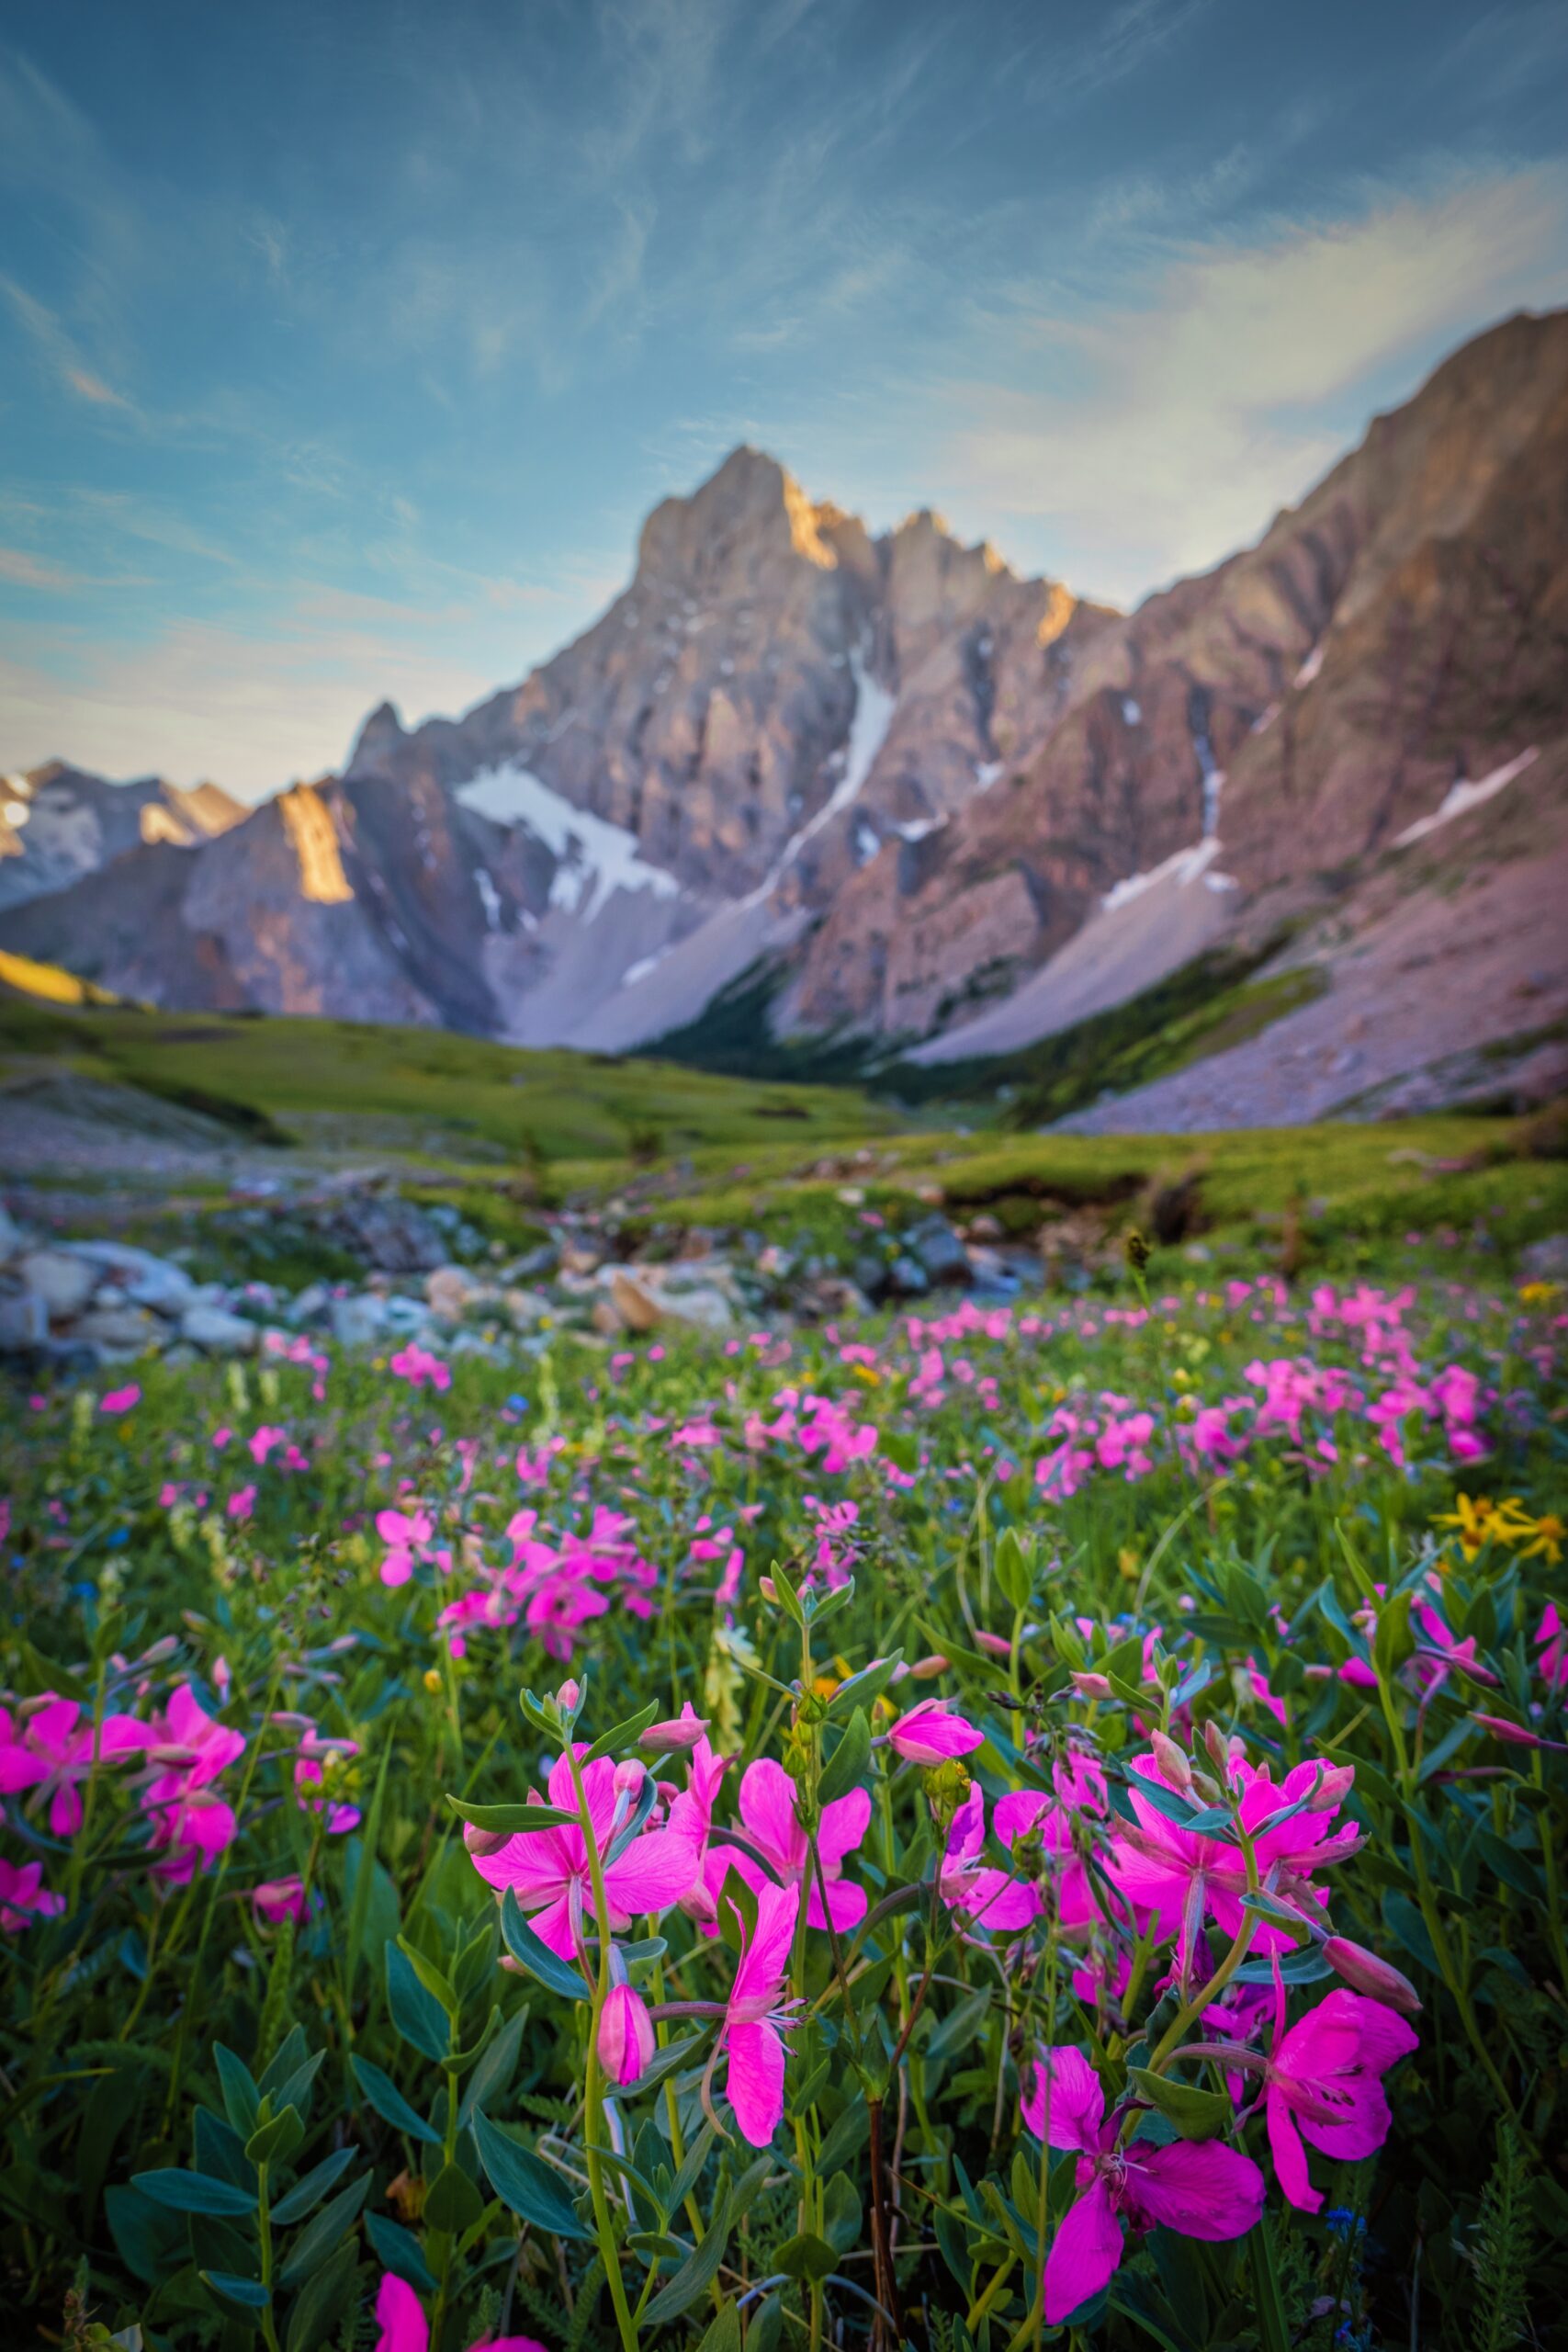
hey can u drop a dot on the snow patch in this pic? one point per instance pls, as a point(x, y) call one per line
point(1131, 711)
point(641, 968)
point(1311, 666)
point(1462, 797)
point(868, 732)
point(1214, 781)
point(868, 841)
point(597, 858)
point(1184, 867)
point(987, 772)
point(917, 828)
point(489, 896)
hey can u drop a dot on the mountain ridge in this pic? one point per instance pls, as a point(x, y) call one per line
point(948, 801)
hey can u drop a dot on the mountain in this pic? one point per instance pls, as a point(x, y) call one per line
point(58, 823)
point(951, 809)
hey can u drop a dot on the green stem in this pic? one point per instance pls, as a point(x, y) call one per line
point(593, 2116)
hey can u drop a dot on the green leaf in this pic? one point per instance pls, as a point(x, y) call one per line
point(507, 1820)
point(724, 2331)
point(1014, 1569)
point(845, 2138)
point(622, 1735)
point(275, 2142)
point(397, 2249)
point(492, 2078)
point(193, 2192)
point(452, 2202)
point(1197, 2115)
point(292, 2051)
point(316, 2239)
point(241, 2097)
point(864, 1689)
point(841, 2212)
point(702, 2264)
point(530, 1952)
point(324, 2301)
point(525, 2186)
point(389, 2103)
point(850, 1761)
point(248, 2292)
point(1508, 1864)
point(149, 2239)
point(312, 2188)
point(435, 1983)
point(418, 2018)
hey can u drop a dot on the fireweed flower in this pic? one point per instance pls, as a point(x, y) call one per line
point(768, 1820)
point(547, 1869)
point(49, 1748)
point(756, 2021)
point(191, 1824)
point(24, 1898)
point(399, 2315)
point(1179, 1876)
point(1323, 2083)
point(983, 1895)
point(626, 2039)
point(1199, 2188)
point(929, 1734)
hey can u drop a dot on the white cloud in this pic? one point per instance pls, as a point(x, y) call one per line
point(1164, 432)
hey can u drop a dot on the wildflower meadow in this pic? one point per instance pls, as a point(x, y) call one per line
point(1011, 1825)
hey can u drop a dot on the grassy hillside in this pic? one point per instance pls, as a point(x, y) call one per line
point(334, 1084)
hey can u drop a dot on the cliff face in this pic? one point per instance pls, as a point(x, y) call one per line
point(1303, 704)
point(961, 807)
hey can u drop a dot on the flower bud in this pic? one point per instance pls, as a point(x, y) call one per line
point(678, 1735)
point(569, 1698)
point(1092, 1686)
point(1334, 1783)
point(946, 1786)
point(1365, 1972)
point(1170, 1759)
point(925, 1668)
point(626, 2039)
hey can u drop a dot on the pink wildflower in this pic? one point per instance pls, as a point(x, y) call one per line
point(547, 1869)
point(626, 2039)
point(768, 1819)
point(929, 1733)
point(24, 1898)
point(1200, 2188)
point(1325, 2082)
point(756, 2021)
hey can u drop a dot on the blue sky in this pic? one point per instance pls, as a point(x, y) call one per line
point(342, 346)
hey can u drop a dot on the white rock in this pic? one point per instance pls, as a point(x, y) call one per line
point(359, 1320)
point(24, 1322)
point(64, 1283)
point(218, 1332)
point(120, 1326)
point(148, 1280)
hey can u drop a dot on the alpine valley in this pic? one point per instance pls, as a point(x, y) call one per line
point(831, 793)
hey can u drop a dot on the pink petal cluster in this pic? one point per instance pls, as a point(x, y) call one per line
point(549, 1870)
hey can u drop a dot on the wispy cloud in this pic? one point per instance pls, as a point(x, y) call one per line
point(1155, 434)
point(58, 349)
point(24, 570)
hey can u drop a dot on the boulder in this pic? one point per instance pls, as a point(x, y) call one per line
point(527, 1308)
point(64, 1281)
point(136, 1328)
point(216, 1332)
point(314, 1302)
point(907, 1278)
point(24, 1322)
point(146, 1280)
point(937, 1249)
point(359, 1320)
point(702, 1309)
point(636, 1305)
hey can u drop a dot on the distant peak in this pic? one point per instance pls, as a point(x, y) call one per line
point(381, 732)
point(750, 498)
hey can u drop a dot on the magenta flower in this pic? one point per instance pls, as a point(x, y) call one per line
point(547, 1869)
point(24, 1898)
point(768, 1818)
point(1179, 1876)
point(985, 1896)
point(1200, 2188)
point(188, 1821)
point(929, 1734)
point(626, 2039)
point(1324, 2083)
point(399, 2315)
point(757, 2020)
point(49, 1748)
point(277, 1899)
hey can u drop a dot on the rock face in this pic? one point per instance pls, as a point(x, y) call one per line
point(960, 808)
point(1300, 708)
point(58, 823)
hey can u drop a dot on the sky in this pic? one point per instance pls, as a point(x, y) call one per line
point(343, 347)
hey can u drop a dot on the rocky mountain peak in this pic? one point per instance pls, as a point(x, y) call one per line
point(381, 734)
